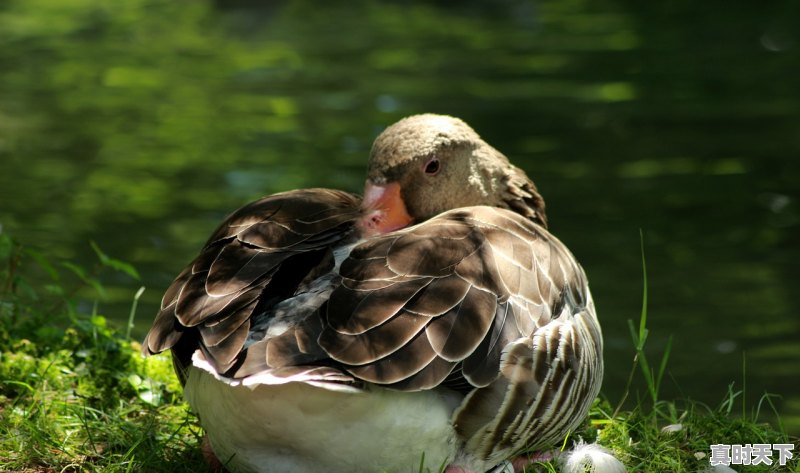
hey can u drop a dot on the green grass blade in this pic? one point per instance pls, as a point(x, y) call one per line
point(648, 377)
point(744, 384)
point(132, 314)
point(113, 263)
point(663, 367)
point(643, 318)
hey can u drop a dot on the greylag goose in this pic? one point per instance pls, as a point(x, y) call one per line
point(434, 322)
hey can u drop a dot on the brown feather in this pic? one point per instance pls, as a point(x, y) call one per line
point(219, 291)
point(428, 378)
point(226, 321)
point(477, 296)
point(223, 355)
point(165, 332)
point(365, 347)
point(430, 300)
point(458, 333)
point(174, 289)
point(354, 312)
point(481, 367)
point(407, 361)
point(238, 266)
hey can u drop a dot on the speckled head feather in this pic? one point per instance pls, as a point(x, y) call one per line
point(472, 172)
point(417, 137)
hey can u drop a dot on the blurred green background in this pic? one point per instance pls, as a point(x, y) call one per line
point(141, 123)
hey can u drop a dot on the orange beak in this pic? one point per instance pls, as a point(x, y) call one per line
point(384, 210)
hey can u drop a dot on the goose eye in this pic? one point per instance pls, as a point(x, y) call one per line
point(432, 167)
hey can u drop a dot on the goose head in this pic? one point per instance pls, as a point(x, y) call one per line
point(427, 164)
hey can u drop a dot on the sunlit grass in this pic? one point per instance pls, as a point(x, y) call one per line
point(75, 394)
point(60, 412)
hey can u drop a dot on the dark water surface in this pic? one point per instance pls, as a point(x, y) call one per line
point(141, 124)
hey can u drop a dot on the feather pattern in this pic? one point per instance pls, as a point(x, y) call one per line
point(479, 302)
point(215, 301)
point(477, 297)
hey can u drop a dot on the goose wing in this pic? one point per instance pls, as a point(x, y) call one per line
point(482, 300)
point(260, 255)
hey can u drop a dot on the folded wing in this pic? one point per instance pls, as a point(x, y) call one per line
point(259, 256)
point(484, 301)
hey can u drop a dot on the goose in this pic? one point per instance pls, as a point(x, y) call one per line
point(432, 325)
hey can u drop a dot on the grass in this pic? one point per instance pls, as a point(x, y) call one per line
point(75, 395)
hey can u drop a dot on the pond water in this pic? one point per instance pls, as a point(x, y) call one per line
point(141, 125)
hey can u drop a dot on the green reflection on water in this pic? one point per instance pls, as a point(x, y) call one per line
point(143, 124)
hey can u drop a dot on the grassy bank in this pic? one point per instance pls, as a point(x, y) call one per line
point(75, 395)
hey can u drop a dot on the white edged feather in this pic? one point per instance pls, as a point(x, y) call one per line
point(592, 456)
point(314, 376)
